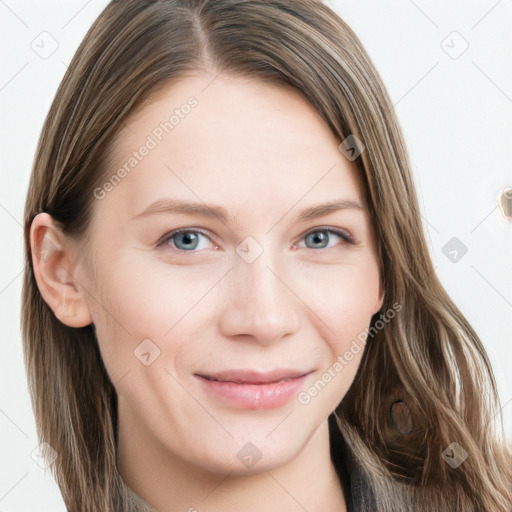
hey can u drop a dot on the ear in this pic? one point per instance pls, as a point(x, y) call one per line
point(53, 261)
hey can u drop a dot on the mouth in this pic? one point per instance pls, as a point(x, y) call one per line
point(254, 378)
point(253, 390)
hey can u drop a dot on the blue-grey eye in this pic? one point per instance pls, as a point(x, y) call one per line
point(321, 237)
point(188, 240)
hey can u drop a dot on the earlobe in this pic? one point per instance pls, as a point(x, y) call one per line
point(54, 271)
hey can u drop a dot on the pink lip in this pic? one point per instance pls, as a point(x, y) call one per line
point(254, 390)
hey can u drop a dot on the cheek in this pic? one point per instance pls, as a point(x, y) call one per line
point(342, 302)
point(343, 299)
point(137, 303)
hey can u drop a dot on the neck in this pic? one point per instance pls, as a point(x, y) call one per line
point(170, 484)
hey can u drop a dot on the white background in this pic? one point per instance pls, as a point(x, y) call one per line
point(456, 115)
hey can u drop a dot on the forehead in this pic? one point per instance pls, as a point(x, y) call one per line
point(232, 140)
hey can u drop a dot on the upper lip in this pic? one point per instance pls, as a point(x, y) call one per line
point(253, 377)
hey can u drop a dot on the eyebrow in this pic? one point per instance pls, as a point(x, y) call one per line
point(170, 206)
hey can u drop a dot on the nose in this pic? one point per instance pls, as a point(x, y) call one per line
point(259, 302)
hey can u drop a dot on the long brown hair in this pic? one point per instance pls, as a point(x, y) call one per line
point(428, 358)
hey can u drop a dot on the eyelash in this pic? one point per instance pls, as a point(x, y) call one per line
point(347, 239)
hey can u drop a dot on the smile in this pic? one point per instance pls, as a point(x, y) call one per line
point(253, 390)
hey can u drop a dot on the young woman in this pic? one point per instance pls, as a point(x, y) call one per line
point(228, 301)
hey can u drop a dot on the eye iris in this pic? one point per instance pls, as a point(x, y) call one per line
point(319, 237)
point(187, 238)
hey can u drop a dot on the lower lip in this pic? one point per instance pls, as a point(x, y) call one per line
point(254, 396)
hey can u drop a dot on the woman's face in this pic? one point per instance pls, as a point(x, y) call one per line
point(262, 283)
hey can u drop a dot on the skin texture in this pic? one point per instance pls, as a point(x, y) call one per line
point(263, 153)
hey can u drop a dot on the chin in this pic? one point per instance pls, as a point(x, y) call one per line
point(251, 453)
